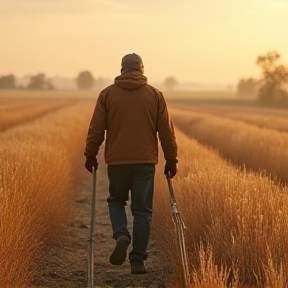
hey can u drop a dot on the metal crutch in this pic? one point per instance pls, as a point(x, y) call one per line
point(90, 265)
point(180, 233)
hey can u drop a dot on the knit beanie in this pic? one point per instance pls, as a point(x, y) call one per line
point(132, 61)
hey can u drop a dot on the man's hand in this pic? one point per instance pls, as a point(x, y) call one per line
point(90, 162)
point(171, 167)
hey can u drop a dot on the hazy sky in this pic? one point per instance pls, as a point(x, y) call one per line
point(206, 41)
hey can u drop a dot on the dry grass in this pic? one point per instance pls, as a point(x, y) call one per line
point(260, 149)
point(235, 221)
point(38, 165)
point(17, 112)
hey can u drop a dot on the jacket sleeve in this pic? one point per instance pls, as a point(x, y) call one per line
point(98, 125)
point(166, 132)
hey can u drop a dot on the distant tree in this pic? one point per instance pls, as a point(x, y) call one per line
point(39, 82)
point(247, 87)
point(170, 83)
point(274, 78)
point(8, 82)
point(85, 80)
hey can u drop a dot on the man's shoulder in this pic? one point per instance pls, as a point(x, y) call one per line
point(154, 90)
point(105, 90)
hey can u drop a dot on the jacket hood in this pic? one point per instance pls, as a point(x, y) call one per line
point(131, 79)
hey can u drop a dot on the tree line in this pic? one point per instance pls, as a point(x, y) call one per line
point(84, 80)
point(37, 82)
point(271, 88)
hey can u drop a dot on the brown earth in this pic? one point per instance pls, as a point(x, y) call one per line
point(64, 264)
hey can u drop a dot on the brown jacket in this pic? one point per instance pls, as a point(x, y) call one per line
point(131, 112)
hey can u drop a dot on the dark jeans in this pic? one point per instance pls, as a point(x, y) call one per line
point(139, 179)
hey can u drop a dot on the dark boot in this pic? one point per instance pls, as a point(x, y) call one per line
point(138, 268)
point(119, 253)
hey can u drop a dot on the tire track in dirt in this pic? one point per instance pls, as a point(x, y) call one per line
point(65, 264)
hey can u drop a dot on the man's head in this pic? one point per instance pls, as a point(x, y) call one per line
point(132, 61)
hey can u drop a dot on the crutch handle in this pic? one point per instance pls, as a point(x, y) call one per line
point(171, 190)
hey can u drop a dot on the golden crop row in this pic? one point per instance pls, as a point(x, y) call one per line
point(17, 115)
point(235, 220)
point(269, 122)
point(260, 149)
point(38, 165)
point(262, 117)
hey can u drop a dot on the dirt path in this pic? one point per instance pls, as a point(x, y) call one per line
point(64, 265)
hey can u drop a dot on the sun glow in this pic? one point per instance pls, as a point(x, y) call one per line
point(190, 40)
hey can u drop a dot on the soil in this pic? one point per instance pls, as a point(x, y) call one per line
point(65, 264)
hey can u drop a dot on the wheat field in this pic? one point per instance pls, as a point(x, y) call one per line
point(231, 188)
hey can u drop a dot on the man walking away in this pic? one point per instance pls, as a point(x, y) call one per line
point(131, 112)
